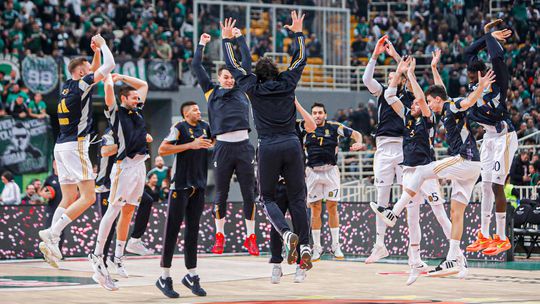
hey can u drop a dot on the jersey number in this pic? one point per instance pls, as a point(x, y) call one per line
point(62, 108)
point(497, 166)
point(321, 139)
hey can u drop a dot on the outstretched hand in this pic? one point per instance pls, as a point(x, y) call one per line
point(403, 66)
point(205, 38)
point(486, 80)
point(412, 65)
point(381, 46)
point(227, 28)
point(436, 58)
point(502, 35)
point(491, 25)
point(297, 21)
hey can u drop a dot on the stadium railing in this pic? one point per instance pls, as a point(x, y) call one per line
point(397, 8)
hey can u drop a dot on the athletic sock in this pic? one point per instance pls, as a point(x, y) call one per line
point(59, 226)
point(220, 225)
point(335, 236)
point(250, 227)
point(100, 245)
point(401, 203)
point(501, 224)
point(57, 214)
point(454, 250)
point(316, 233)
point(486, 206)
point(119, 250)
point(165, 273)
point(383, 197)
point(192, 272)
point(415, 254)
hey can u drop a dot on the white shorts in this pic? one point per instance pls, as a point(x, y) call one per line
point(323, 183)
point(73, 163)
point(430, 190)
point(463, 174)
point(386, 164)
point(496, 155)
point(127, 184)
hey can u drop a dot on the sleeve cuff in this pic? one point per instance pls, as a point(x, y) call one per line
point(299, 34)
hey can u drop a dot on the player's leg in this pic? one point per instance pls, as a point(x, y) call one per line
point(194, 210)
point(276, 243)
point(103, 200)
point(415, 236)
point(223, 160)
point(432, 193)
point(503, 155)
point(175, 215)
point(135, 244)
point(293, 172)
point(332, 196)
point(316, 225)
point(245, 173)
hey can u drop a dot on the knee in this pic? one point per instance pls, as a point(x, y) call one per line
point(497, 189)
point(89, 198)
point(316, 210)
point(128, 210)
point(331, 207)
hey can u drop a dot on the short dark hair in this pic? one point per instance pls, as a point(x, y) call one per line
point(74, 63)
point(125, 89)
point(318, 104)
point(221, 69)
point(476, 66)
point(186, 104)
point(266, 69)
point(8, 175)
point(437, 91)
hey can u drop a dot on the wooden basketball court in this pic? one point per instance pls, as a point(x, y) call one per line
point(247, 279)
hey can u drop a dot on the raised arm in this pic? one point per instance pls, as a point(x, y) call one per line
point(196, 64)
point(299, 57)
point(374, 87)
point(140, 85)
point(483, 83)
point(96, 61)
point(417, 90)
point(241, 76)
point(391, 93)
point(309, 122)
point(390, 50)
point(244, 50)
point(110, 100)
point(108, 59)
point(434, 61)
point(496, 53)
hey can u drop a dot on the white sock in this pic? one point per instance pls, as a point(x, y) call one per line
point(59, 226)
point(501, 224)
point(443, 219)
point(454, 250)
point(335, 236)
point(119, 249)
point(100, 244)
point(105, 227)
point(486, 210)
point(401, 203)
point(316, 237)
point(250, 227)
point(220, 225)
point(383, 197)
point(57, 214)
point(165, 273)
point(415, 255)
point(192, 272)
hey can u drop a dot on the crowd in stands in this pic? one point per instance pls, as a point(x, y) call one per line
point(17, 101)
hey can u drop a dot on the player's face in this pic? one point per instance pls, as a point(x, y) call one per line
point(193, 113)
point(473, 76)
point(435, 103)
point(83, 69)
point(318, 115)
point(132, 100)
point(415, 109)
point(226, 80)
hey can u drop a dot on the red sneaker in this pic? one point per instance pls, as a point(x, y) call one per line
point(481, 243)
point(251, 244)
point(220, 243)
point(498, 246)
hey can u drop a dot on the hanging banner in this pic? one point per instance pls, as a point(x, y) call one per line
point(40, 74)
point(26, 146)
point(162, 75)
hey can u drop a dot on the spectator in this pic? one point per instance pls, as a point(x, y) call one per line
point(11, 195)
point(30, 196)
point(534, 169)
point(519, 172)
point(152, 187)
point(37, 108)
point(163, 49)
point(314, 47)
point(161, 171)
point(18, 109)
point(165, 188)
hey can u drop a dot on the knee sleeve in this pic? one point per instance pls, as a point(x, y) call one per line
point(443, 219)
point(107, 221)
point(488, 198)
point(413, 220)
point(383, 195)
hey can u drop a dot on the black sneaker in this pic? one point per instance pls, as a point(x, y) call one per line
point(193, 283)
point(166, 287)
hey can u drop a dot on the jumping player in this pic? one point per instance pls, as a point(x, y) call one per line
point(389, 140)
point(272, 96)
point(228, 112)
point(189, 141)
point(128, 174)
point(500, 140)
point(71, 150)
point(322, 175)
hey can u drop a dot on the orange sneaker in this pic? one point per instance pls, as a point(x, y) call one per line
point(498, 246)
point(251, 245)
point(481, 243)
point(220, 243)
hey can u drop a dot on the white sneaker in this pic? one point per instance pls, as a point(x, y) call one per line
point(445, 268)
point(300, 275)
point(47, 255)
point(378, 252)
point(137, 246)
point(416, 271)
point(463, 267)
point(336, 250)
point(101, 275)
point(317, 253)
point(118, 264)
point(386, 214)
point(277, 273)
point(51, 242)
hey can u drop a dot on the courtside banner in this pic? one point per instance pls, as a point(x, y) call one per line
point(26, 145)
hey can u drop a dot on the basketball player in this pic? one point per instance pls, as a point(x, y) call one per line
point(228, 112)
point(128, 174)
point(418, 150)
point(322, 175)
point(389, 140)
point(462, 168)
point(500, 140)
point(71, 150)
point(189, 141)
point(306, 125)
point(272, 96)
